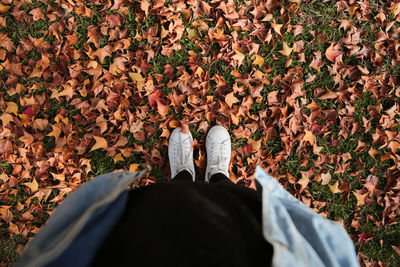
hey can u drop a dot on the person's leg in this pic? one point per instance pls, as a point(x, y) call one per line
point(182, 176)
point(220, 178)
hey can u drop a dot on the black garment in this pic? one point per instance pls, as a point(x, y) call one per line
point(189, 224)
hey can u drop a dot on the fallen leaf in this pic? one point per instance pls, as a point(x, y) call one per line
point(239, 57)
point(4, 9)
point(331, 53)
point(277, 27)
point(6, 118)
point(60, 177)
point(360, 197)
point(100, 143)
point(33, 186)
point(12, 108)
point(308, 136)
point(133, 167)
point(230, 99)
point(258, 61)
point(286, 51)
point(335, 188)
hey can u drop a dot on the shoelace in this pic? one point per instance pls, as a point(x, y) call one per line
point(183, 149)
point(219, 155)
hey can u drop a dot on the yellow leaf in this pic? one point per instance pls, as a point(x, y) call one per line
point(144, 5)
point(235, 119)
point(255, 145)
point(36, 72)
point(258, 61)
point(3, 8)
point(395, 8)
point(303, 182)
point(60, 177)
point(360, 198)
point(334, 188)
point(100, 143)
point(118, 157)
point(133, 167)
point(286, 51)
point(277, 27)
point(230, 99)
point(239, 57)
point(41, 124)
point(164, 32)
point(67, 91)
point(352, 10)
point(33, 186)
point(308, 136)
point(12, 107)
point(136, 77)
point(6, 118)
point(56, 131)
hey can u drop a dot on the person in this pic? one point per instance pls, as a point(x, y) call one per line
point(188, 223)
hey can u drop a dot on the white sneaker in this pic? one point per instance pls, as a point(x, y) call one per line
point(218, 147)
point(180, 153)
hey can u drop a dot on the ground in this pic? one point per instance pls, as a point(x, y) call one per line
point(309, 90)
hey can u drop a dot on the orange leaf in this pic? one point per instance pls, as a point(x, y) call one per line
point(33, 186)
point(174, 124)
point(255, 145)
point(331, 53)
point(118, 157)
point(335, 188)
point(360, 198)
point(277, 27)
point(100, 143)
point(239, 57)
point(230, 99)
point(12, 108)
point(258, 61)
point(6, 118)
point(60, 177)
point(286, 51)
point(308, 136)
point(3, 8)
point(144, 5)
point(133, 167)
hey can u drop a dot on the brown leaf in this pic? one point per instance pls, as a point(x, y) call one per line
point(308, 136)
point(33, 186)
point(100, 143)
point(230, 99)
point(331, 53)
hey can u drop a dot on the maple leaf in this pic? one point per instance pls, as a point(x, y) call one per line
point(100, 143)
point(395, 9)
point(6, 119)
point(239, 57)
point(33, 186)
point(144, 5)
point(230, 99)
point(258, 60)
point(4, 8)
point(360, 197)
point(334, 188)
point(308, 136)
point(286, 51)
point(277, 27)
point(331, 53)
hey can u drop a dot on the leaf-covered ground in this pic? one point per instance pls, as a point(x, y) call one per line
point(308, 89)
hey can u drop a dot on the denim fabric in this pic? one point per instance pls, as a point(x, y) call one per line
point(300, 236)
point(68, 222)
